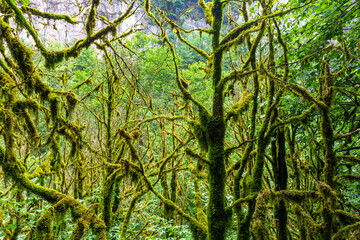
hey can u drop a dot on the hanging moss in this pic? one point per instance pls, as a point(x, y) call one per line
point(90, 21)
point(54, 106)
point(53, 58)
point(199, 133)
point(21, 54)
point(196, 233)
point(129, 212)
point(81, 227)
point(312, 227)
point(55, 155)
point(87, 81)
point(239, 107)
point(72, 101)
point(7, 86)
point(5, 8)
point(40, 170)
point(171, 204)
point(44, 226)
point(85, 219)
point(8, 63)
point(246, 185)
point(199, 174)
point(21, 20)
point(345, 232)
point(207, 10)
point(20, 108)
point(346, 51)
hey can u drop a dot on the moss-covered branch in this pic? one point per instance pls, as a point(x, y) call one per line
point(294, 119)
point(168, 202)
point(52, 58)
point(239, 106)
point(48, 15)
point(344, 232)
point(52, 196)
point(181, 83)
point(240, 29)
point(349, 158)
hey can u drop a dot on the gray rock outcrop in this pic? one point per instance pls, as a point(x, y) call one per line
point(62, 31)
point(59, 30)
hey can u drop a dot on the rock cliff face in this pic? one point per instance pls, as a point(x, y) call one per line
point(59, 30)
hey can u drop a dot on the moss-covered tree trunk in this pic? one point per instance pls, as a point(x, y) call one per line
point(280, 177)
point(108, 191)
point(167, 211)
point(215, 134)
point(296, 174)
point(327, 94)
point(255, 179)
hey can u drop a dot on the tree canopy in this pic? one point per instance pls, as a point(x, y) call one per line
point(244, 129)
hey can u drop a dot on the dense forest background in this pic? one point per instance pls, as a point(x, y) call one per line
point(245, 128)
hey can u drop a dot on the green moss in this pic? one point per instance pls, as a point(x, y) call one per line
point(9, 62)
point(200, 135)
point(48, 15)
point(259, 229)
point(327, 94)
point(72, 101)
point(54, 106)
point(11, 167)
point(207, 10)
point(20, 108)
point(81, 227)
point(346, 50)
point(21, 54)
point(200, 214)
point(24, 23)
point(87, 81)
point(7, 86)
point(198, 157)
point(295, 196)
point(44, 226)
point(198, 50)
point(246, 185)
point(199, 174)
point(99, 227)
point(53, 58)
point(344, 232)
point(306, 220)
point(5, 8)
point(108, 194)
point(196, 233)
point(345, 217)
point(239, 106)
point(90, 21)
point(129, 212)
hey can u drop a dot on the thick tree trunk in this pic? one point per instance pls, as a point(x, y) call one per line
point(215, 134)
point(280, 174)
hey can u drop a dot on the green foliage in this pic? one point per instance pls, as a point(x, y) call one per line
point(187, 56)
point(154, 66)
point(138, 130)
point(26, 2)
point(163, 229)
